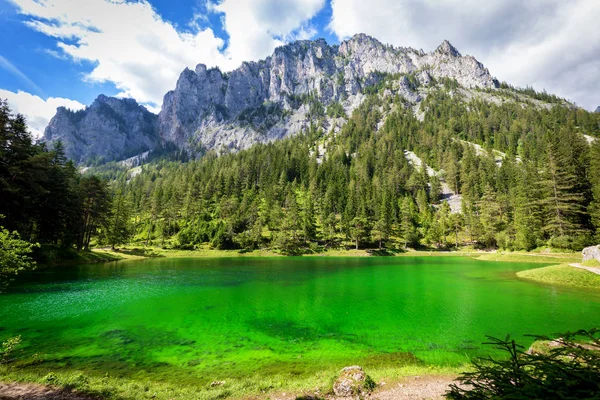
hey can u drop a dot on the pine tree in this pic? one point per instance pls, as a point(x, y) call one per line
point(358, 230)
point(407, 229)
point(594, 174)
point(561, 201)
point(118, 230)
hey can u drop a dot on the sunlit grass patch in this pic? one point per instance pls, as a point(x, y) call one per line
point(563, 275)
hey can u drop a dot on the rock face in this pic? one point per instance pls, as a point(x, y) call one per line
point(353, 382)
point(276, 97)
point(109, 129)
point(260, 101)
point(591, 253)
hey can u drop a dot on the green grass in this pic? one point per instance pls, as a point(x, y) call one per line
point(531, 257)
point(253, 386)
point(133, 252)
point(563, 275)
point(591, 263)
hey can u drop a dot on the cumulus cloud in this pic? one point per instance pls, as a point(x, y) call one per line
point(36, 110)
point(128, 42)
point(142, 54)
point(550, 44)
point(256, 27)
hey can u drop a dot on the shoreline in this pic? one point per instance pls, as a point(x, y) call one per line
point(139, 253)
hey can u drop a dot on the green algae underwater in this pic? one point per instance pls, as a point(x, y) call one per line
point(191, 321)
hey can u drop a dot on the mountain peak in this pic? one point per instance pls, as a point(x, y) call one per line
point(598, 109)
point(260, 101)
point(102, 98)
point(447, 48)
point(201, 69)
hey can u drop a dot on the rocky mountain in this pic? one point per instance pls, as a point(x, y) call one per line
point(262, 101)
point(279, 96)
point(598, 109)
point(109, 129)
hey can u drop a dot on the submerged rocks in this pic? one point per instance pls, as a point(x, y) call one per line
point(591, 253)
point(353, 381)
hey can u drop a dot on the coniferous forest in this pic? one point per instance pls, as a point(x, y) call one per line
point(522, 175)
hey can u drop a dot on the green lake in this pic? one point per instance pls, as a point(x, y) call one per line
point(217, 318)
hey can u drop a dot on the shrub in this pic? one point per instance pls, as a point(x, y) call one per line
point(570, 369)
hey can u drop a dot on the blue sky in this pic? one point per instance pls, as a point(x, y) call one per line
point(65, 52)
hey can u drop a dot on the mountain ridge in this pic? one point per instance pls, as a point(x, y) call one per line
point(263, 100)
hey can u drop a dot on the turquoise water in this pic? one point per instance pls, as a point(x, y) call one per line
point(188, 318)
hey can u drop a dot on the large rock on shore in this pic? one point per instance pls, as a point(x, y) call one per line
point(591, 253)
point(353, 382)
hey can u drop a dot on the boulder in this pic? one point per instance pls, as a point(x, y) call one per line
point(353, 381)
point(591, 253)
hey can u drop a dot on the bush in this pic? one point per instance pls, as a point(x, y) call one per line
point(570, 369)
point(575, 243)
point(14, 256)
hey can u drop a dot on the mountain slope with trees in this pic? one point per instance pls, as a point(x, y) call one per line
point(353, 186)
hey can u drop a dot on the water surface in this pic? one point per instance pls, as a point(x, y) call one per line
point(196, 318)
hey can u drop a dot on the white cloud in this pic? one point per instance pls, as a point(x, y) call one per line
point(36, 110)
point(142, 54)
point(256, 27)
point(551, 44)
point(129, 43)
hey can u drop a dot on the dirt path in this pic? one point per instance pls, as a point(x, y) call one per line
point(413, 388)
point(410, 388)
point(595, 270)
point(28, 391)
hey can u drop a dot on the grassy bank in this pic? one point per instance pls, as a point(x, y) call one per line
point(563, 275)
point(138, 252)
point(318, 385)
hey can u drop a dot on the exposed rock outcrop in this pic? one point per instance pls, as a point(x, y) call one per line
point(260, 101)
point(277, 97)
point(591, 253)
point(109, 129)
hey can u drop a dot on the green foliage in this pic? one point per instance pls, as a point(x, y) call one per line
point(336, 110)
point(570, 369)
point(362, 189)
point(14, 256)
point(531, 92)
point(44, 198)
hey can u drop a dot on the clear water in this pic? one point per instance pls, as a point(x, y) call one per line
point(179, 319)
